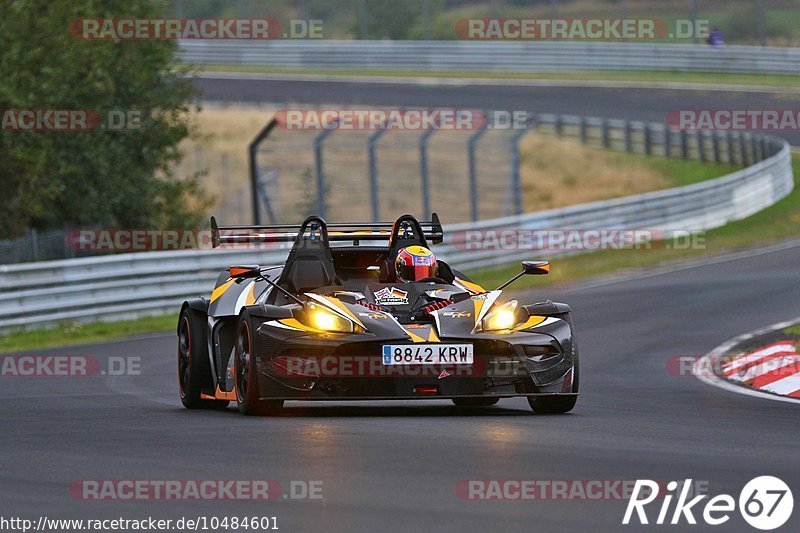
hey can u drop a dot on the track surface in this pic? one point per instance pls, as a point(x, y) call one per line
point(394, 466)
point(641, 104)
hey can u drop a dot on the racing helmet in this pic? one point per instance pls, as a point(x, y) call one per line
point(415, 263)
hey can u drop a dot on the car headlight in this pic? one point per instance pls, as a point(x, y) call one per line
point(318, 317)
point(501, 318)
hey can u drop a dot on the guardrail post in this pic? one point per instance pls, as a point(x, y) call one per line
point(715, 145)
point(321, 187)
point(559, 125)
point(473, 172)
point(684, 145)
point(648, 146)
point(423, 173)
point(606, 134)
point(628, 143)
point(373, 174)
point(765, 147)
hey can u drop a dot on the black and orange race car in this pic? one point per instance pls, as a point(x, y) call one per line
point(335, 323)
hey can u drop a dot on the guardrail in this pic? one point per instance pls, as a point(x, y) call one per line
point(492, 56)
point(130, 285)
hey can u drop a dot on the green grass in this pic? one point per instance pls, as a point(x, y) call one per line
point(678, 171)
point(712, 79)
point(780, 221)
point(76, 333)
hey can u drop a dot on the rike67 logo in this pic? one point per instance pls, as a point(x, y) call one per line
point(765, 503)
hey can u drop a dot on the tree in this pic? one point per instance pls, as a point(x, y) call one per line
point(102, 178)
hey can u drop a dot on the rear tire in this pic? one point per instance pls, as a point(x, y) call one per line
point(246, 372)
point(475, 402)
point(194, 370)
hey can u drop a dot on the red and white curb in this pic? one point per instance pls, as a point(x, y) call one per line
point(771, 372)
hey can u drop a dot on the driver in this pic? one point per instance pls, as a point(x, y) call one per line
point(415, 263)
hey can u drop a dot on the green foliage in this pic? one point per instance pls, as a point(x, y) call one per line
point(103, 178)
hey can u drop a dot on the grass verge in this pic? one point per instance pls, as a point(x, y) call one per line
point(788, 81)
point(77, 333)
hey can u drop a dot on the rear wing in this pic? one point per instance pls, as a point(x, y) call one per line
point(314, 228)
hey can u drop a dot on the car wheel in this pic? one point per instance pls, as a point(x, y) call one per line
point(193, 367)
point(557, 403)
point(475, 402)
point(245, 369)
point(550, 405)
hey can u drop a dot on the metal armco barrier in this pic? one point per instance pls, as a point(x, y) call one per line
point(130, 285)
point(492, 56)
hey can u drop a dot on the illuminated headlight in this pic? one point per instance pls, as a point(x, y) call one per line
point(502, 318)
point(320, 318)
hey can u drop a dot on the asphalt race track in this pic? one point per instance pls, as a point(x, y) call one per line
point(634, 104)
point(394, 466)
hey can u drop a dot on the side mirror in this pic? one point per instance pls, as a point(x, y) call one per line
point(245, 271)
point(529, 268)
point(536, 268)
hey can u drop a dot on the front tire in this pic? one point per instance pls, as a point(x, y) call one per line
point(552, 405)
point(248, 397)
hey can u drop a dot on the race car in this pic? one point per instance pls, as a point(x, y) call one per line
point(341, 320)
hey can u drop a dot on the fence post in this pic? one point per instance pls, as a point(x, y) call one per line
point(321, 189)
point(373, 174)
point(628, 143)
point(473, 173)
point(743, 150)
point(515, 184)
point(558, 123)
point(606, 135)
point(423, 173)
point(731, 158)
point(583, 129)
point(648, 146)
point(701, 145)
point(34, 244)
point(252, 151)
point(667, 141)
point(684, 145)
point(715, 145)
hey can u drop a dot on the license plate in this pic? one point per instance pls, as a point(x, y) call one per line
point(427, 354)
